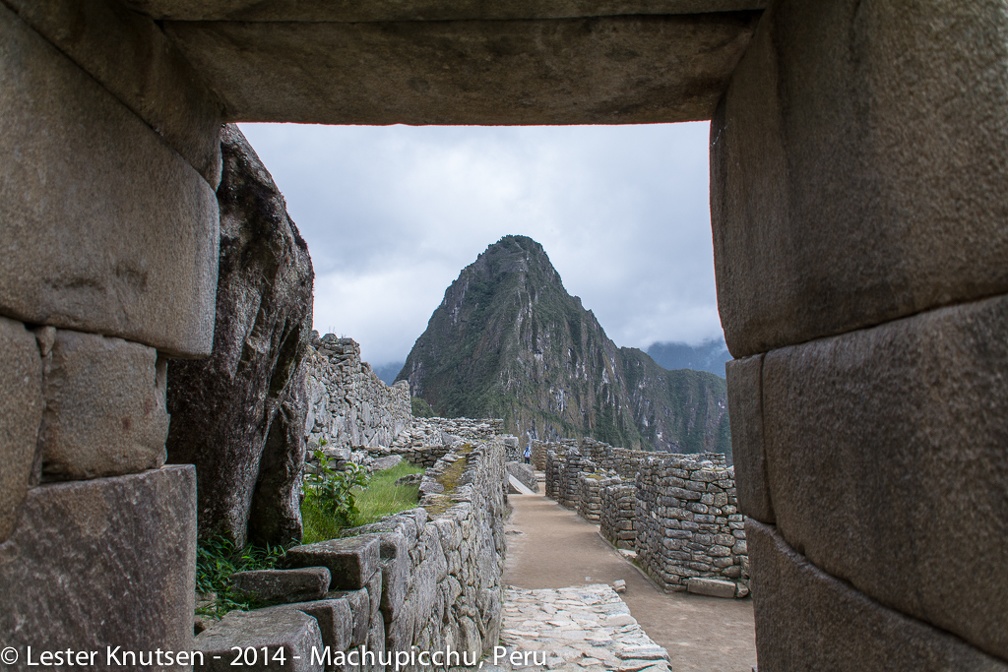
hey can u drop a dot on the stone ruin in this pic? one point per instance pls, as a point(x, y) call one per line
point(348, 405)
point(427, 579)
point(677, 514)
point(857, 182)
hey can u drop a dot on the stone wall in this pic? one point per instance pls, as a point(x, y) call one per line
point(428, 578)
point(626, 463)
point(109, 247)
point(617, 522)
point(349, 406)
point(538, 459)
point(425, 440)
point(589, 505)
point(679, 513)
point(858, 214)
point(688, 524)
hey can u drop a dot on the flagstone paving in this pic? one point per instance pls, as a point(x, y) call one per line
point(577, 628)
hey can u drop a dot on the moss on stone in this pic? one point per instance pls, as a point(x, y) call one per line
point(449, 478)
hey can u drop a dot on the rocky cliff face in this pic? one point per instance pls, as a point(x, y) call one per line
point(509, 341)
point(239, 416)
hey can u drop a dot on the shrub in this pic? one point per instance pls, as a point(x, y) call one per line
point(329, 499)
point(420, 408)
point(330, 490)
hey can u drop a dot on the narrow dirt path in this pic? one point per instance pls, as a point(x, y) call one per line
point(551, 547)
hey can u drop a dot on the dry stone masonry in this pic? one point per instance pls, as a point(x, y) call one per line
point(428, 578)
point(688, 524)
point(348, 405)
point(677, 513)
point(618, 521)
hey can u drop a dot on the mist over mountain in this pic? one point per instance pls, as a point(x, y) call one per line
point(508, 341)
point(388, 373)
point(710, 355)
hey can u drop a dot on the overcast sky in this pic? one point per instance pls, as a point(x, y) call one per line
point(393, 214)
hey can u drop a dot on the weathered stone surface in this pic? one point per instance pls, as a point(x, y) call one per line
point(579, 628)
point(20, 415)
point(427, 10)
point(374, 590)
point(524, 473)
point(349, 406)
point(335, 620)
point(845, 154)
point(87, 245)
point(745, 408)
point(360, 610)
point(710, 587)
point(104, 406)
point(395, 567)
point(238, 416)
point(276, 503)
point(133, 59)
point(809, 620)
point(289, 631)
point(274, 586)
point(103, 562)
point(351, 560)
point(376, 641)
point(659, 68)
point(900, 428)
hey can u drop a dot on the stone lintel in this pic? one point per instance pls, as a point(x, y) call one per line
point(326, 11)
point(605, 70)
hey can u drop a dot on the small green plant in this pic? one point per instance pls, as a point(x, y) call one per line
point(217, 559)
point(329, 499)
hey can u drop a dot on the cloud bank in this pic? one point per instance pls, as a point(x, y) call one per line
point(392, 214)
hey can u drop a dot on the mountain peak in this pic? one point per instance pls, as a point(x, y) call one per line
point(514, 242)
point(509, 341)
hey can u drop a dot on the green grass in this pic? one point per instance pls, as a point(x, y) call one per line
point(317, 525)
point(216, 560)
point(380, 498)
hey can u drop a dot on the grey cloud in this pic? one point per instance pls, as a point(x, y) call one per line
point(392, 214)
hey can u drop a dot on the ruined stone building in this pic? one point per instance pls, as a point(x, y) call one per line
point(858, 192)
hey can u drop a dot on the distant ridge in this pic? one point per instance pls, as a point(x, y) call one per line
point(388, 373)
point(710, 355)
point(509, 341)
